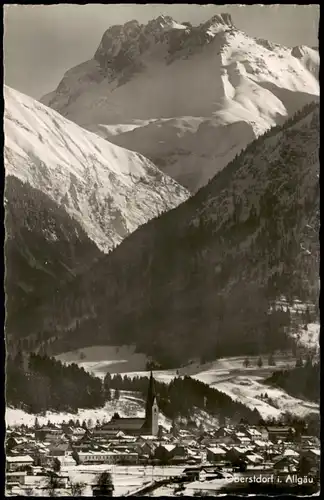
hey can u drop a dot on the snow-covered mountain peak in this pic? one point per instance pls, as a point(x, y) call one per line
point(109, 190)
point(219, 22)
point(163, 23)
point(169, 78)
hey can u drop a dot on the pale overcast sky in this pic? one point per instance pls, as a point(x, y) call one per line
point(41, 42)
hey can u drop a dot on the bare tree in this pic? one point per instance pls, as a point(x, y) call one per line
point(77, 489)
point(52, 483)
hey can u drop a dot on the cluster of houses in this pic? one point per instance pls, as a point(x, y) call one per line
point(142, 441)
point(30, 451)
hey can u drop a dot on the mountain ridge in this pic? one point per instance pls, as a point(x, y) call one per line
point(107, 189)
point(166, 76)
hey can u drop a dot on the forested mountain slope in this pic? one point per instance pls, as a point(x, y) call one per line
point(44, 247)
point(201, 278)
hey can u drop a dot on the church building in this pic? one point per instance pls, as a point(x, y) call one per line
point(148, 425)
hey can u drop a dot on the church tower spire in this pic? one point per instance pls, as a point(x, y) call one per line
point(152, 409)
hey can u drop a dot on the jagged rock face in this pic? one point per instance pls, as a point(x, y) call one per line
point(202, 278)
point(148, 80)
point(107, 189)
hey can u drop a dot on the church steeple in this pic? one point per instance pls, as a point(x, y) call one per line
point(151, 410)
point(151, 395)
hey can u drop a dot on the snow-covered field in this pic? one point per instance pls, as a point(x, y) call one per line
point(109, 190)
point(228, 375)
point(102, 359)
point(125, 479)
point(248, 390)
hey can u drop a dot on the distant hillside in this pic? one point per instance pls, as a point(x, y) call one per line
point(44, 247)
point(201, 279)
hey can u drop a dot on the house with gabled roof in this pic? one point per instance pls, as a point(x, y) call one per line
point(215, 454)
point(14, 463)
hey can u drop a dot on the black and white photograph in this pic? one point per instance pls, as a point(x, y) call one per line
point(161, 252)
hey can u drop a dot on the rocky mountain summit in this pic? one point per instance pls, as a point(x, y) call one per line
point(190, 98)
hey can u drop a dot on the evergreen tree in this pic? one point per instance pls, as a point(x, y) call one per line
point(246, 362)
point(117, 394)
point(307, 316)
point(105, 483)
point(56, 465)
point(299, 362)
point(260, 362)
point(107, 394)
point(308, 361)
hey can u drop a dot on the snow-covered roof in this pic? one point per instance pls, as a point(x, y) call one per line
point(19, 458)
point(253, 432)
point(290, 453)
point(217, 451)
point(101, 453)
point(66, 460)
point(254, 457)
point(262, 444)
point(168, 447)
point(240, 449)
point(316, 452)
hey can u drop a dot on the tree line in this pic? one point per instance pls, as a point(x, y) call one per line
point(38, 383)
point(183, 395)
point(302, 381)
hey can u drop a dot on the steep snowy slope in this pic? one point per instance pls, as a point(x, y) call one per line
point(200, 280)
point(210, 84)
point(110, 191)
